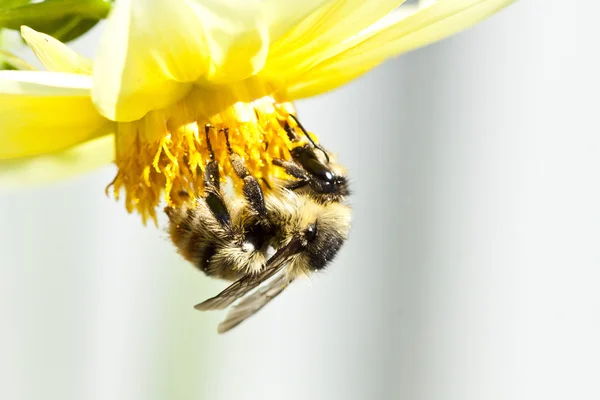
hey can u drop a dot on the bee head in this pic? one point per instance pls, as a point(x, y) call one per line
point(327, 179)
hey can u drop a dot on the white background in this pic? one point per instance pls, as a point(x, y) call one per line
point(471, 273)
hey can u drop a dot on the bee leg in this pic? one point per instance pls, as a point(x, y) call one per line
point(293, 169)
point(291, 132)
point(211, 172)
point(252, 191)
point(267, 184)
point(294, 185)
point(212, 178)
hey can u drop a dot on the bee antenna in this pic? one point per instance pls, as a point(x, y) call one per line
point(309, 138)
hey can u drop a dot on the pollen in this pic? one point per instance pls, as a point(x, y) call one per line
point(165, 153)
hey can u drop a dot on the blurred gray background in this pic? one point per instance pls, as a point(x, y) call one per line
point(471, 272)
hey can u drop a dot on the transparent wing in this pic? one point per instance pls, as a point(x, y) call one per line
point(252, 303)
point(242, 286)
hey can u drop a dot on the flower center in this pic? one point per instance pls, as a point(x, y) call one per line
point(165, 152)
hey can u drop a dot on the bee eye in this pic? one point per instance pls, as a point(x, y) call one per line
point(310, 232)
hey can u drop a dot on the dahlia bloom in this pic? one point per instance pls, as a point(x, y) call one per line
point(167, 68)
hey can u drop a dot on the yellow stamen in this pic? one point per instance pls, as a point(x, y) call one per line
point(166, 151)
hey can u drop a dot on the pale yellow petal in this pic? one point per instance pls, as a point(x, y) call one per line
point(317, 36)
point(54, 54)
point(59, 165)
point(282, 17)
point(15, 61)
point(44, 83)
point(152, 50)
point(42, 112)
point(391, 37)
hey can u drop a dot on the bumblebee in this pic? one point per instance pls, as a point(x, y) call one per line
point(261, 242)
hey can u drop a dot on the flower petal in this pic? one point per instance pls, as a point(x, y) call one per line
point(318, 35)
point(59, 165)
point(42, 112)
point(152, 50)
point(44, 83)
point(55, 55)
point(11, 61)
point(282, 17)
point(391, 37)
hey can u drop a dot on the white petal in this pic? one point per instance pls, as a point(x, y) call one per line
point(42, 112)
point(390, 37)
point(152, 50)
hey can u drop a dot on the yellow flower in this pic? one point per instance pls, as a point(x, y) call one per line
point(167, 68)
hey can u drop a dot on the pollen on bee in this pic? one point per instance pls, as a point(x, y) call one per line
point(166, 152)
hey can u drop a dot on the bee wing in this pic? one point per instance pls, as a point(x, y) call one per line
point(252, 303)
point(239, 288)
